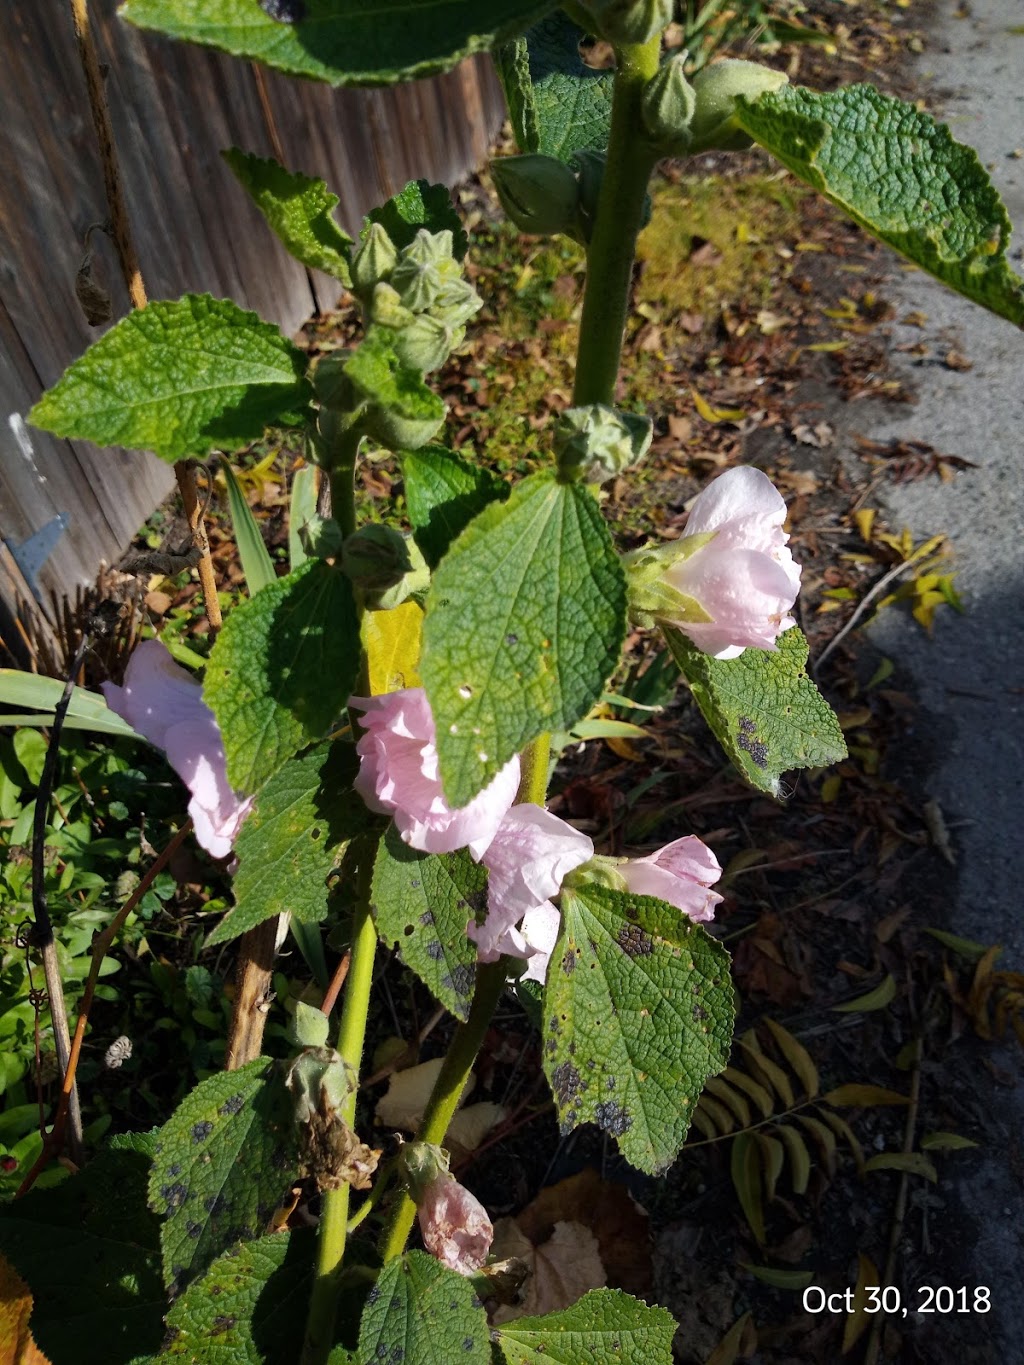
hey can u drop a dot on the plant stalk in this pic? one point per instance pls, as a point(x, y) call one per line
point(333, 1227)
point(444, 1099)
point(343, 481)
point(612, 248)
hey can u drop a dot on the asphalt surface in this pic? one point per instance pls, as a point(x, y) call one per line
point(969, 674)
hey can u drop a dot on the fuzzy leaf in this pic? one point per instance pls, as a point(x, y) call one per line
point(638, 1013)
point(299, 210)
point(604, 1327)
point(223, 1161)
point(525, 621)
point(899, 174)
point(421, 205)
point(443, 494)
point(424, 1314)
point(282, 669)
point(245, 1308)
point(179, 377)
point(422, 903)
point(764, 710)
point(89, 1249)
point(345, 42)
point(558, 104)
point(304, 817)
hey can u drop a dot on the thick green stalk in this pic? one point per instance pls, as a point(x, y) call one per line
point(534, 763)
point(444, 1099)
point(334, 1216)
point(342, 477)
point(612, 246)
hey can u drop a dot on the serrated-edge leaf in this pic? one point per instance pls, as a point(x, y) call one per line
point(422, 903)
point(419, 204)
point(341, 42)
point(179, 377)
point(223, 1160)
point(902, 176)
point(282, 669)
point(525, 620)
point(443, 493)
point(638, 1012)
point(299, 210)
point(604, 1327)
point(257, 565)
point(421, 1311)
point(762, 707)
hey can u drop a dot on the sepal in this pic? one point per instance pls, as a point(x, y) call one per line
point(597, 442)
point(716, 89)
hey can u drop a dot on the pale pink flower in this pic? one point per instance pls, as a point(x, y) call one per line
point(745, 577)
point(454, 1225)
point(527, 860)
point(399, 776)
point(680, 873)
point(163, 703)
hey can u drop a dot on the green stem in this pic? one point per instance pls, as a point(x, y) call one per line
point(444, 1099)
point(334, 1217)
point(534, 763)
point(343, 480)
point(612, 246)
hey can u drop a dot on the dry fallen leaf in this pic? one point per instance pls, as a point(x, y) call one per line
point(407, 1094)
point(16, 1344)
point(563, 1268)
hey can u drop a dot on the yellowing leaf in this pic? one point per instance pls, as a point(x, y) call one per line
point(945, 1142)
point(746, 1177)
point(392, 643)
point(711, 414)
point(911, 1162)
point(864, 1096)
point(797, 1056)
point(877, 999)
point(865, 519)
point(858, 1319)
point(16, 1344)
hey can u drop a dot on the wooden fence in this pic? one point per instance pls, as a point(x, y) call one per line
point(174, 108)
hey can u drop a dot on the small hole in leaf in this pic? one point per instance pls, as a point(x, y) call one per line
point(314, 833)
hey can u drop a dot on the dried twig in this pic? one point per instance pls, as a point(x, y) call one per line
point(862, 606)
point(337, 981)
point(256, 949)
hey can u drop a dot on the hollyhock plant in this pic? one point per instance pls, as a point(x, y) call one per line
point(163, 703)
point(730, 581)
point(530, 855)
point(681, 873)
point(399, 776)
point(454, 1225)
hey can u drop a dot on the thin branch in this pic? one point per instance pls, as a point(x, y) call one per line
point(337, 981)
point(895, 572)
point(101, 946)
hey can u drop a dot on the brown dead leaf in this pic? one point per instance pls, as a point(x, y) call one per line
point(16, 1344)
point(402, 1105)
point(563, 1268)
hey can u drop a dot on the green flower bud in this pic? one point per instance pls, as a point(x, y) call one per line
point(398, 428)
point(716, 89)
point(320, 537)
point(630, 21)
point(430, 248)
point(418, 285)
point(539, 193)
point(425, 344)
point(309, 1027)
point(373, 261)
point(457, 301)
point(415, 583)
point(650, 597)
point(386, 308)
point(597, 442)
point(375, 557)
point(668, 106)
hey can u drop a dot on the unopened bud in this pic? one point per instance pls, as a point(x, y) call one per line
point(668, 106)
point(386, 308)
point(375, 557)
point(320, 537)
point(374, 260)
point(456, 302)
point(539, 193)
point(716, 89)
point(597, 443)
point(429, 248)
point(425, 344)
point(630, 21)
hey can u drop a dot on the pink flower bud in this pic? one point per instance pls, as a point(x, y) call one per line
point(527, 860)
point(164, 703)
point(399, 776)
point(680, 873)
point(454, 1225)
point(745, 577)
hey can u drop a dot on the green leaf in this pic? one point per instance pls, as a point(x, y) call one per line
point(257, 565)
point(421, 205)
point(301, 509)
point(764, 710)
point(900, 175)
point(223, 1161)
point(299, 209)
point(638, 1013)
point(422, 1312)
point(422, 903)
point(911, 1162)
point(303, 819)
point(245, 1309)
point(179, 377)
point(443, 494)
point(605, 1327)
point(282, 670)
point(408, 412)
point(946, 1142)
point(525, 620)
point(346, 42)
point(883, 994)
point(310, 944)
point(89, 1249)
point(86, 710)
point(558, 104)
